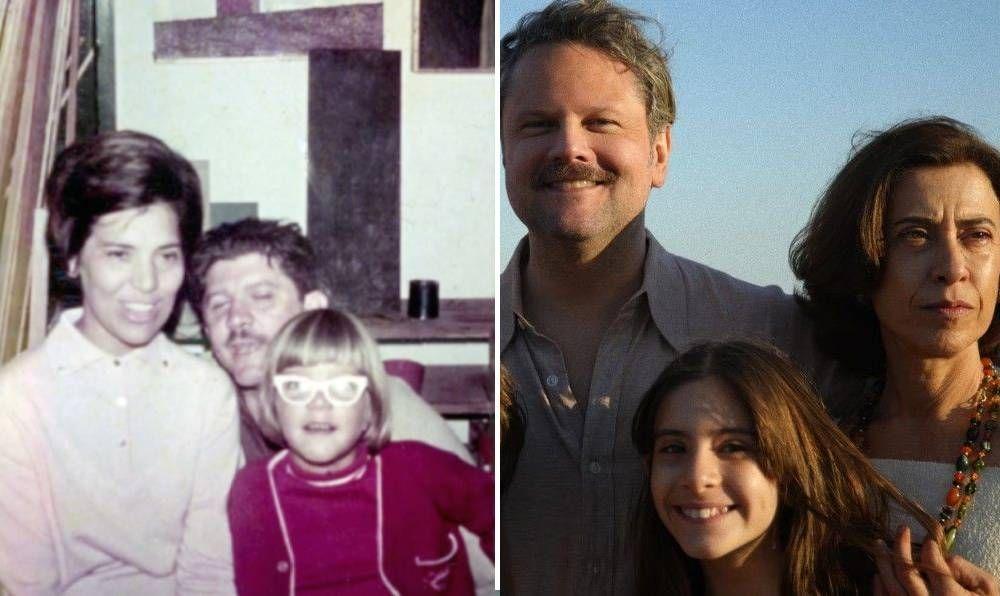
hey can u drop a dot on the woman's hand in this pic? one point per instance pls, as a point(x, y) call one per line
point(898, 575)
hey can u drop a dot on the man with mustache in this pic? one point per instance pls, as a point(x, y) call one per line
point(246, 280)
point(591, 306)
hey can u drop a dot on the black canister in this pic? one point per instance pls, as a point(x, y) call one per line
point(423, 301)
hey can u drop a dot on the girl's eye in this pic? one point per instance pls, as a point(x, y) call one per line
point(171, 256)
point(118, 255)
point(671, 448)
point(734, 447)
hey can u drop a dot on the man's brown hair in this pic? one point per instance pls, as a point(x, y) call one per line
point(604, 26)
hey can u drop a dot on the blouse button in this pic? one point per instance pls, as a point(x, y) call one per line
point(552, 380)
point(282, 566)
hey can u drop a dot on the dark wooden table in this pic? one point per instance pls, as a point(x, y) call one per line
point(453, 390)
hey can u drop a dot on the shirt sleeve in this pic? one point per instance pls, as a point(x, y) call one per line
point(463, 494)
point(28, 560)
point(413, 419)
point(205, 560)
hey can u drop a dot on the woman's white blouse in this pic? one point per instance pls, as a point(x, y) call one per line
point(114, 471)
point(978, 539)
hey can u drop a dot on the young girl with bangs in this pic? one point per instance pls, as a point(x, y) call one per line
point(343, 510)
point(754, 490)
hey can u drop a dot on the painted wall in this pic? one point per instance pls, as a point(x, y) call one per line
point(247, 118)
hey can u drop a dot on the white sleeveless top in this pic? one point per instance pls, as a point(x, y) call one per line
point(927, 483)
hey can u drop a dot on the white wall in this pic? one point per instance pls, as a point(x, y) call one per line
point(247, 117)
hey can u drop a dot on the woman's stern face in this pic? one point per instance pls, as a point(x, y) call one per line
point(705, 480)
point(938, 290)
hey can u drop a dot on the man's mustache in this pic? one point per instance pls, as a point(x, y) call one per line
point(571, 172)
point(244, 334)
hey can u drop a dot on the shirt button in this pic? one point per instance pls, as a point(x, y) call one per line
point(122, 443)
point(121, 402)
point(552, 380)
point(595, 568)
point(595, 468)
point(282, 566)
point(117, 362)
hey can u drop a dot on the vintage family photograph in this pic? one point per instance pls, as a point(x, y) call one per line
point(248, 297)
point(522, 297)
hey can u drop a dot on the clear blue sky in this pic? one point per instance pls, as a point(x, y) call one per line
point(770, 95)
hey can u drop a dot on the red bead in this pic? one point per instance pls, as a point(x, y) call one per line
point(953, 497)
point(967, 450)
point(959, 477)
point(974, 477)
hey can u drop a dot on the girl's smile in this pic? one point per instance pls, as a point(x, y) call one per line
point(706, 484)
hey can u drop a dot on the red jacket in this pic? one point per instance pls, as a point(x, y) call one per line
point(423, 495)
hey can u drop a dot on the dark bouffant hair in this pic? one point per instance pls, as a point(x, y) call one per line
point(113, 172)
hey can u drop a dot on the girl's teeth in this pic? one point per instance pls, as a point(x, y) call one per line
point(704, 513)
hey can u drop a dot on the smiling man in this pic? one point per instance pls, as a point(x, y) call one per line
point(247, 279)
point(592, 307)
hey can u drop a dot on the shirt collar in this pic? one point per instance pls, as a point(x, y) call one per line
point(666, 293)
point(662, 283)
point(511, 307)
point(70, 350)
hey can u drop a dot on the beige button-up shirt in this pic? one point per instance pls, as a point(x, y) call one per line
point(114, 471)
point(565, 518)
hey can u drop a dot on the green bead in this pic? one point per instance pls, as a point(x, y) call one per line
point(987, 447)
point(962, 511)
point(962, 465)
point(949, 538)
point(970, 488)
point(979, 464)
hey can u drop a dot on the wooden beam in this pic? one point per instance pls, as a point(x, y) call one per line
point(235, 7)
point(357, 26)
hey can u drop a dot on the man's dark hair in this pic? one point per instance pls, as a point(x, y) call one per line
point(604, 26)
point(113, 172)
point(283, 244)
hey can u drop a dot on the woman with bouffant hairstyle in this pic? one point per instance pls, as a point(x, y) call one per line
point(746, 467)
point(117, 446)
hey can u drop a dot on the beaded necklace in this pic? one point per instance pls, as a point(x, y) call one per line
point(970, 462)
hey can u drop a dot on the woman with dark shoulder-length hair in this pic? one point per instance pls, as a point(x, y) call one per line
point(900, 265)
point(117, 448)
point(752, 488)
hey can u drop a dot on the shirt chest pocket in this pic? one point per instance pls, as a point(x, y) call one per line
point(436, 570)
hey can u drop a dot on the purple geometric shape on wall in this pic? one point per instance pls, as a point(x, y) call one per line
point(354, 168)
point(233, 7)
point(449, 33)
point(357, 26)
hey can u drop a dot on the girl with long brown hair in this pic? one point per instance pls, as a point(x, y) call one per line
point(754, 489)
